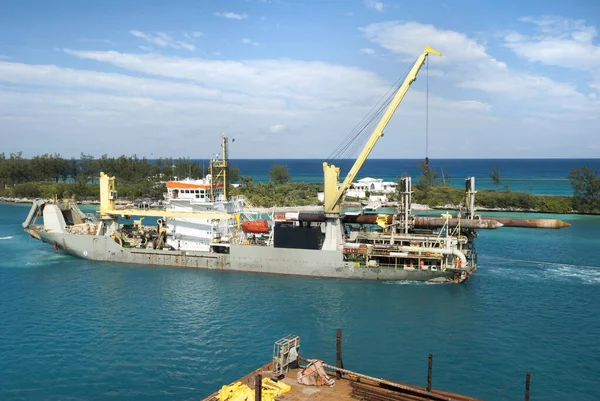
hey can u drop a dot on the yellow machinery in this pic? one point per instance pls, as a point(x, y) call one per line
point(219, 171)
point(108, 196)
point(331, 173)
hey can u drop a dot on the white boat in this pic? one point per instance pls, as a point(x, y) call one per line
point(372, 207)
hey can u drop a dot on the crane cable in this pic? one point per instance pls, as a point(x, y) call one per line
point(360, 134)
point(427, 114)
point(353, 140)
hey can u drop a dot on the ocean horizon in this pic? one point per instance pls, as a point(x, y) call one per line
point(536, 176)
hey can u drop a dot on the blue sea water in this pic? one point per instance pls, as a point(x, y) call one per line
point(537, 176)
point(73, 329)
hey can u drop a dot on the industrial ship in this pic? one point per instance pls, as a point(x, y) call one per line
point(203, 227)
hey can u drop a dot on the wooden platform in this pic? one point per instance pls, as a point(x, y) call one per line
point(349, 387)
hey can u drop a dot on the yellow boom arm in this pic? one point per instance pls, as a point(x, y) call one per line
point(331, 173)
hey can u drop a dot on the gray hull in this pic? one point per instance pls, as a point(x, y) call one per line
point(255, 259)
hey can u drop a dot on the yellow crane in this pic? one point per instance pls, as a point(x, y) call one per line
point(331, 173)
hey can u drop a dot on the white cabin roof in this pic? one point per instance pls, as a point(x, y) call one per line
point(369, 179)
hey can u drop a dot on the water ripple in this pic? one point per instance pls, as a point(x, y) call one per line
point(73, 329)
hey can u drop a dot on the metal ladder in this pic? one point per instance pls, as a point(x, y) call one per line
point(248, 210)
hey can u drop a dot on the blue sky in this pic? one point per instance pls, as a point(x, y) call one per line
point(290, 79)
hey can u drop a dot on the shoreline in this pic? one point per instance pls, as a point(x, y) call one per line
point(318, 208)
point(9, 199)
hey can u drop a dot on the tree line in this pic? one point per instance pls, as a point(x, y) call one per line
point(14, 169)
point(47, 175)
point(50, 174)
point(430, 190)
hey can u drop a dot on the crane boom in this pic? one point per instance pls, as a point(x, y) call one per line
point(331, 173)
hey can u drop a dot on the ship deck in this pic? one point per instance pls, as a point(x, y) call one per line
point(347, 388)
point(340, 391)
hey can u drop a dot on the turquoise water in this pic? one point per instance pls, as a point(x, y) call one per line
point(537, 176)
point(73, 329)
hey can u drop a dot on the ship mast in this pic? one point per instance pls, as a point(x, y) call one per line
point(219, 170)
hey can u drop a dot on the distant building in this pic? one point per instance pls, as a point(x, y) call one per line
point(375, 185)
point(377, 188)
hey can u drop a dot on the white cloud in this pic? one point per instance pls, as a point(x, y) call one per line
point(247, 41)
point(192, 100)
point(313, 84)
point(238, 97)
point(231, 15)
point(374, 5)
point(192, 36)
point(68, 78)
point(526, 107)
point(367, 50)
point(408, 39)
point(186, 46)
point(163, 40)
point(559, 42)
point(468, 64)
point(104, 41)
point(277, 129)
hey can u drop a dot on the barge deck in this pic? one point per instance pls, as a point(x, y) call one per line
point(347, 388)
point(291, 377)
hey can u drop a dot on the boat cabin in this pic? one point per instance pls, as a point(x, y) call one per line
point(194, 190)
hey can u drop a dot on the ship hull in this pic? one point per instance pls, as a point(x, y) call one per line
point(253, 259)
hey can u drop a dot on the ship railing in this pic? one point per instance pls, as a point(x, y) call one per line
point(249, 211)
point(272, 231)
point(404, 266)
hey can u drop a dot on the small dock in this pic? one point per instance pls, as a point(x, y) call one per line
point(291, 377)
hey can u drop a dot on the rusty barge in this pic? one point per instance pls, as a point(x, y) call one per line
point(291, 377)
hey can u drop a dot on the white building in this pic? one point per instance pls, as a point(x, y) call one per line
point(377, 188)
point(375, 185)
